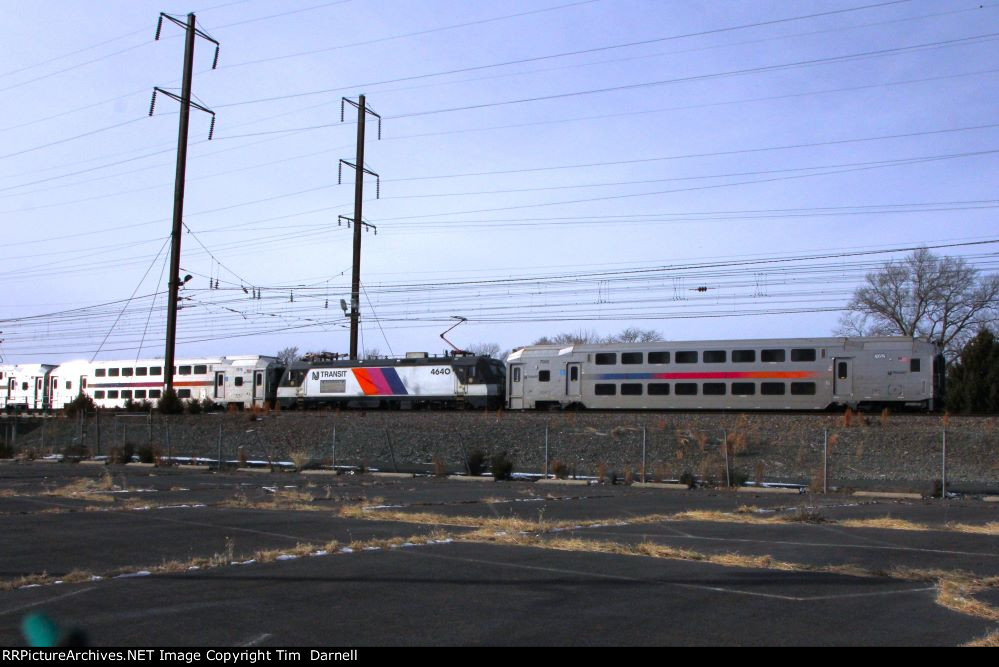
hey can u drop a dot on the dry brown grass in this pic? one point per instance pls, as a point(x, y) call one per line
point(8, 493)
point(887, 522)
point(990, 640)
point(991, 528)
point(300, 458)
point(89, 488)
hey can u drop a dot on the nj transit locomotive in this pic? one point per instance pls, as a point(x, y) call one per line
point(784, 374)
point(415, 381)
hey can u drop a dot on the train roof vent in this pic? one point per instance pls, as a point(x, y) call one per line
point(417, 355)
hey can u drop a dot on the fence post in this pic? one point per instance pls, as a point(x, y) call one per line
point(166, 425)
point(388, 438)
point(643, 455)
point(13, 437)
point(825, 460)
point(221, 419)
point(943, 467)
point(333, 447)
point(464, 454)
point(728, 473)
point(546, 451)
point(98, 415)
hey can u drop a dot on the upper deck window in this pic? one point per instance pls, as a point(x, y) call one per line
point(803, 354)
point(606, 358)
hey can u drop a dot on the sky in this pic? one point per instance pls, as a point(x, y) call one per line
point(708, 169)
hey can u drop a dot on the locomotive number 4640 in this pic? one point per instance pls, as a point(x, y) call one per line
point(440, 371)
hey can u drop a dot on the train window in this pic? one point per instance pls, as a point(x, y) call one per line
point(142, 371)
point(802, 388)
point(100, 372)
point(200, 369)
point(689, 357)
point(24, 386)
point(772, 388)
point(605, 389)
point(631, 389)
point(112, 393)
point(260, 379)
point(715, 356)
point(743, 356)
point(83, 383)
point(841, 370)
point(185, 370)
point(544, 376)
point(803, 354)
point(239, 381)
point(126, 393)
point(714, 389)
point(99, 393)
point(114, 372)
point(573, 373)
point(183, 393)
point(743, 389)
point(606, 358)
point(631, 357)
point(154, 393)
point(685, 389)
point(658, 357)
point(913, 365)
point(69, 385)
point(127, 372)
point(156, 370)
point(772, 355)
point(140, 393)
point(220, 379)
point(516, 374)
point(658, 389)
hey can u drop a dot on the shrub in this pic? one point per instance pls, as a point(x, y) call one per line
point(122, 454)
point(560, 469)
point(476, 461)
point(148, 454)
point(193, 407)
point(440, 467)
point(501, 466)
point(81, 403)
point(737, 477)
point(169, 403)
point(689, 478)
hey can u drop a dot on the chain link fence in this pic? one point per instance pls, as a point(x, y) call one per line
point(822, 452)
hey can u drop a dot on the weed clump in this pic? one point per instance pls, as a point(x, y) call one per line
point(501, 466)
point(81, 403)
point(169, 403)
point(689, 478)
point(560, 469)
point(476, 462)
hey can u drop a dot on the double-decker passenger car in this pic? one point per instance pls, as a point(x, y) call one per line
point(244, 381)
point(766, 374)
point(24, 386)
point(415, 381)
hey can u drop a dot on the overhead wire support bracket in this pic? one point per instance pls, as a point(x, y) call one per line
point(367, 225)
point(197, 31)
point(378, 179)
point(173, 96)
point(367, 109)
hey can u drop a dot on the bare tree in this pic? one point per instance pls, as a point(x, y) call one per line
point(941, 298)
point(636, 335)
point(485, 350)
point(570, 338)
point(371, 353)
point(288, 355)
point(629, 335)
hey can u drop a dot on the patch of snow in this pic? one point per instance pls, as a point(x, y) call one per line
point(346, 550)
point(131, 575)
point(321, 552)
point(286, 557)
point(372, 548)
point(247, 562)
point(32, 586)
point(95, 577)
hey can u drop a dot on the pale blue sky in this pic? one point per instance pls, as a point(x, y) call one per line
point(591, 166)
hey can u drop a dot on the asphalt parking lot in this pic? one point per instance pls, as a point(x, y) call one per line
point(168, 557)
